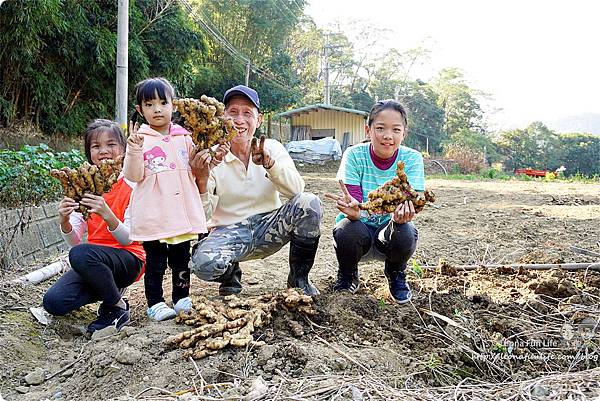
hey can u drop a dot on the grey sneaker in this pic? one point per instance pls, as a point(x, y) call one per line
point(183, 305)
point(160, 312)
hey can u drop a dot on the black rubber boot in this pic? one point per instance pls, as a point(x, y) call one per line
point(302, 258)
point(231, 281)
point(399, 288)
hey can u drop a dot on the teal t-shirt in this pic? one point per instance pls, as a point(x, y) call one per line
point(357, 168)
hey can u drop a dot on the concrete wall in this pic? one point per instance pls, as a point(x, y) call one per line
point(29, 236)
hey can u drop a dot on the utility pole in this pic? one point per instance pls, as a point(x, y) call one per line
point(122, 60)
point(247, 72)
point(326, 95)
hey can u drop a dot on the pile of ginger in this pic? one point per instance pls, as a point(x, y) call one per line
point(205, 119)
point(231, 322)
point(387, 197)
point(88, 178)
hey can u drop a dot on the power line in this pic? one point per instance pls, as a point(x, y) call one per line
point(287, 8)
point(288, 16)
point(294, 2)
point(229, 48)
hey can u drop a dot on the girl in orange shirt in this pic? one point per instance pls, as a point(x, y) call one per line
point(109, 261)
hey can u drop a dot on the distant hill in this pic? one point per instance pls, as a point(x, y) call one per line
point(588, 122)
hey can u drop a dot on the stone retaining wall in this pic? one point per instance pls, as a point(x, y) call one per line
point(29, 235)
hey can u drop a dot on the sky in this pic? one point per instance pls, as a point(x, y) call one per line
point(539, 60)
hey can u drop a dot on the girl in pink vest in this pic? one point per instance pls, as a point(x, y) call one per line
point(110, 261)
point(166, 209)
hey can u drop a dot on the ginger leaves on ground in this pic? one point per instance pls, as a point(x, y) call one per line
point(205, 119)
point(88, 178)
point(387, 197)
point(232, 321)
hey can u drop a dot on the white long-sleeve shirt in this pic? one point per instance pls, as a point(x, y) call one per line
point(235, 193)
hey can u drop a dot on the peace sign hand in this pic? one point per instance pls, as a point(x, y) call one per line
point(345, 202)
point(260, 155)
point(134, 140)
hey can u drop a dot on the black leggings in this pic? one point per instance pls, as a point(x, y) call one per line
point(392, 242)
point(178, 257)
point(98, 273)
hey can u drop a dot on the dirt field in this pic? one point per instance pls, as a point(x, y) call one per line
point(463, 333)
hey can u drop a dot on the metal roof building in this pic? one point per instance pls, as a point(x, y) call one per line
point(319, 120)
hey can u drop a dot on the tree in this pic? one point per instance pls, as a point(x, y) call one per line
point(351, 63)
point(536, 146)
point(580, 153)
point(425, 118)
point(459, 102)
point(255, 31)
point(164, 41)
point(61, 70)
point(305, 47)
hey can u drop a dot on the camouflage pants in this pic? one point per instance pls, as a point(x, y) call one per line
point(258, 236)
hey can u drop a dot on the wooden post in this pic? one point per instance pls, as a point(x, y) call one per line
point(280, 136)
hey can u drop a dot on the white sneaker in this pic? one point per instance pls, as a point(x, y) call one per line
point(183, 305)
point(160, 312)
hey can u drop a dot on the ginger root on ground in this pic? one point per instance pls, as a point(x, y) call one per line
point(232, 322)
point(387, 197)
point(88, 179)
point(205, 119)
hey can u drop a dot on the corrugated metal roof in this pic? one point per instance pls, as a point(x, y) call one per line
point(316, 107)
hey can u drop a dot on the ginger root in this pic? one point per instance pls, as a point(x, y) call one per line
point(387, 197)
point(232, 322)
point(88, 179)
point(205, 119)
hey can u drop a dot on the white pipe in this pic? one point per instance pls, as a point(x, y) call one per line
point(563, 266)
point(44, 273)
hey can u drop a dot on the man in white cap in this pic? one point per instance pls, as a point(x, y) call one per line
point(247, 219)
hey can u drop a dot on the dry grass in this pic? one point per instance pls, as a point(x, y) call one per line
point(569, 386)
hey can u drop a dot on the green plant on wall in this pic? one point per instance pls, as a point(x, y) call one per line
point(24, 178)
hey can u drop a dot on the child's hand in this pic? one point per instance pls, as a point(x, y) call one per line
point(135, 141)
point(96, 204)
point(133, 128)
point(345, 202)
point(404, 213)
point(65, 208)
point(260, 155)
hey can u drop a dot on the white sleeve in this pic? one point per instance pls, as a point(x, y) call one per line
point(78, 228)
point(210, 199)
point(284, 175)
point(121, 233)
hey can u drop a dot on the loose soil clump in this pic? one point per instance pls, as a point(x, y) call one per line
point(484, 334)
